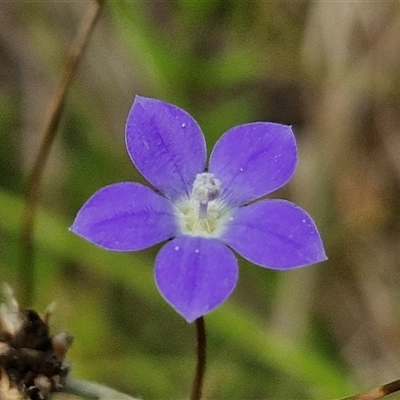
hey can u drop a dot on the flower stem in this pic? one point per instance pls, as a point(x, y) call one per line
point(35, 176)
point(377, 393)
point(93, 391)
point(201, 359)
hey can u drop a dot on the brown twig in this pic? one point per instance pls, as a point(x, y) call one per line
point(201, 360)
point(35, 176)
point(377, 393)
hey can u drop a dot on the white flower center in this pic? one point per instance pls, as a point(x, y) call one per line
point(203, 213)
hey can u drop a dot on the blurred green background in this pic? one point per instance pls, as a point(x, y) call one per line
point(330, 69)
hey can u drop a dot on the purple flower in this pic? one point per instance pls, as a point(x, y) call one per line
point(202, 212)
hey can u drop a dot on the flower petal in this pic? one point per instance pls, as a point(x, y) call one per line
point(253, 160)
point(195, 275)
point(275, 234)
point(166, 145)
point(125, 216)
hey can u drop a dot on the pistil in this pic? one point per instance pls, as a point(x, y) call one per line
point(203, 210)
point(205, 189)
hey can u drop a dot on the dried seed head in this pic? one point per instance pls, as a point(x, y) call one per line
point(7, 390)
point(11, 320)
point(32, 364)
point(61, 343)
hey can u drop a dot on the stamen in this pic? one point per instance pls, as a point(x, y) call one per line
point(203, 213)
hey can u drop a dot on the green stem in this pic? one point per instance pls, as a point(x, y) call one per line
point(201, 359)
point(35, 176)
point(94, 391)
